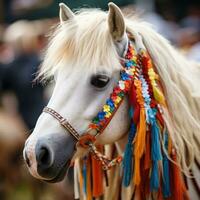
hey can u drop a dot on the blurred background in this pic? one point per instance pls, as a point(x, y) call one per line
point(24, 27)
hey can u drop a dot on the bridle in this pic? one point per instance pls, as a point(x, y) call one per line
point(130, 71)
point(87, 140)
point(62, 122)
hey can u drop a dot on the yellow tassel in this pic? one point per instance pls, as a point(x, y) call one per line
point(158, 95)
point(139, 146)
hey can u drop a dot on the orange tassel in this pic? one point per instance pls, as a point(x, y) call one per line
point(97, 177)
point(179, 190)
point(169, 145)
point(139, 145)
point(89, 192)
point(137, 177)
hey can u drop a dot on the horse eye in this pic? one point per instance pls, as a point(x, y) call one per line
point(99, 80)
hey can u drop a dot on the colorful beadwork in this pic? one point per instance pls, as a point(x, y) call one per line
point(123, 86)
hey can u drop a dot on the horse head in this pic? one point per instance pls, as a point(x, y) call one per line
point(87, 49)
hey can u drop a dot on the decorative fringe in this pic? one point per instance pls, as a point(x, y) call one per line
point(97, 177)
point(147, 158)
point(81, 179)
point(166, 175)
point(84, 172)
point(155, 153)
point(128, 155)
point(158, 95)
point(154, 180)
point(156, 148)
point(160, 195)
point(76, 180)
point(139, 145)
point(89, 187)
point(179, 190)
point(145, 184)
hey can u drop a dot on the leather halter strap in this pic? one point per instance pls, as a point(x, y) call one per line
point(62, 121)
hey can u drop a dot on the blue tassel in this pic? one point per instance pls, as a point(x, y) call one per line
point(156, 149)
point(128, 157)
point(156, 154)
point(84, 171)
point(166, 175)
point(154, 180)
point(131, 112)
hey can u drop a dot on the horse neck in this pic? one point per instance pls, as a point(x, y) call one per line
point(121, 143)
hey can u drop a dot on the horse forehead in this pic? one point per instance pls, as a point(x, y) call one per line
point(79, 72)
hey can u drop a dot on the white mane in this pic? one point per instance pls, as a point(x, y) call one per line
point(86, 40)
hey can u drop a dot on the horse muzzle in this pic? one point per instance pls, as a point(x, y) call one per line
point(49, 157)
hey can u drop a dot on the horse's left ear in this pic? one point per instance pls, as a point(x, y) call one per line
point(116, 22)
point(65, 13)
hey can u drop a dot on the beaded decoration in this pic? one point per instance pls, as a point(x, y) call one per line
point(127, 74)
point(149, 145)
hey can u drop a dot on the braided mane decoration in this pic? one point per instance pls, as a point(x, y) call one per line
point(146, 161)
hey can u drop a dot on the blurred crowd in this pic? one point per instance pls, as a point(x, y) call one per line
point(184, 34)
point(22, 44)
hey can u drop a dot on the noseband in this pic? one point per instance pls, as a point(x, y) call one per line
point(63, 122)
point(129, 73)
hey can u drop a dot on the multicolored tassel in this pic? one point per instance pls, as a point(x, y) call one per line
point(166, 174)
point(84, 173)
point(156, 154)
point(97, 176)
point(128, 157)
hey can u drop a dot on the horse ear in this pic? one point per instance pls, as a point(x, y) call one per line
point(116, 22)
point(65, 13)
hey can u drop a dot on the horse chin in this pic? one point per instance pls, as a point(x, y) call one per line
point(60, 175)
point(58, 178)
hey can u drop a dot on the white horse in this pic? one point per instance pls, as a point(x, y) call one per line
point(83, 56)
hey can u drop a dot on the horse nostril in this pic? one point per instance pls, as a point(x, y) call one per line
point(43, 157)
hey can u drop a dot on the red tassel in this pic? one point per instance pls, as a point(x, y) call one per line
point(97, 177)
point(179, 191)
point(145, 182)
point(136, 115)
point(160, 119)
point(160, 196)
point(134, 104)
